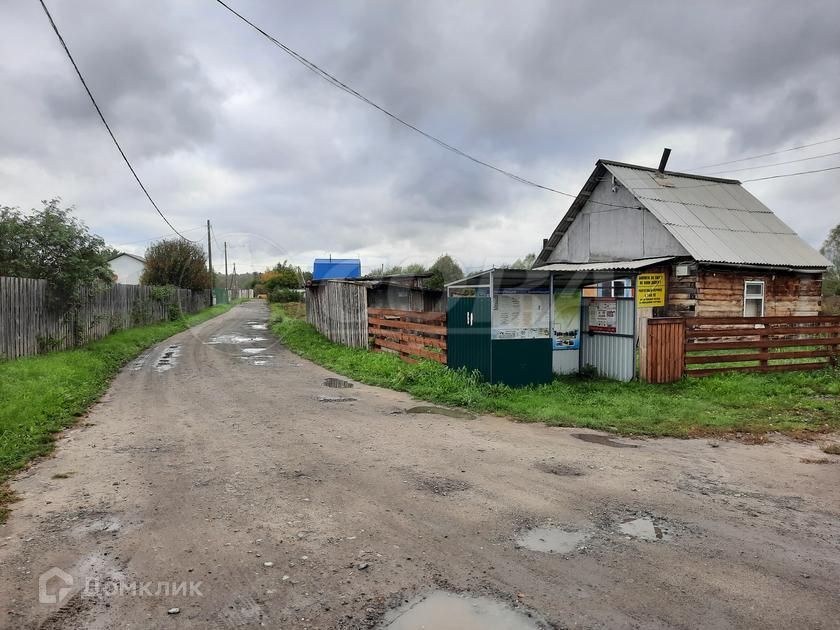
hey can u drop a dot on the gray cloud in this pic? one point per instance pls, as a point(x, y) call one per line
point(222, 124)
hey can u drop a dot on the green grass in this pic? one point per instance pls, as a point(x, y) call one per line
point(799, 402)
point(45, 394)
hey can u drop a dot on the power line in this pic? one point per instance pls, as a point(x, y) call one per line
point(105, 122)
point(819, 170)
point(332, 80)
point(753, 157)
point(157, 238)
point(751, 168)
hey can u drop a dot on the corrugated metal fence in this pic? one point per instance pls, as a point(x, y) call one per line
point(338, 310)
point(31, 322)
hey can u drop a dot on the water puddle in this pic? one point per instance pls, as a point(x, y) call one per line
point(644, 528)
point(253, 350)
point(339, 383)
point(440, 610)
point(603, 440)
point(139, 362)
point(232, 339)
point(551, 540)
point(258, 326)
point(167, 359)
point(336, 399)
point(441, 411)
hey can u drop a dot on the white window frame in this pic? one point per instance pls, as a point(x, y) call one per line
point(762, 297)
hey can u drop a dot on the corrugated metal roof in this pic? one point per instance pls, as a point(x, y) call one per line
point(716, 220)
point(617, 265)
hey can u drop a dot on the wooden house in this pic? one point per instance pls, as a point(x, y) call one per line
point(724, 253)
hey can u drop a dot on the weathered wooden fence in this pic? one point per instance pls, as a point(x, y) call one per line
point(745, 344)
point(33, 321)
point(411, 334)
point(338, 310)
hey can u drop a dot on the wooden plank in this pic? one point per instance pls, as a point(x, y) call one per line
point(398, 335)
point(773, 343)
point(715, 321)
point(757, 356)
point(418, 315)
point(752, 332)
point(391, 323)
point(411, 349)
point(784, 367)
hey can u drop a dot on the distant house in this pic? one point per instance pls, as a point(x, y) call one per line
point(723, 252)
point(127, 268)
point(336, 269)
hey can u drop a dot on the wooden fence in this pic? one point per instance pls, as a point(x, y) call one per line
point(712, 345)
point(410, 334)
point(32, 321)
point(338, 310)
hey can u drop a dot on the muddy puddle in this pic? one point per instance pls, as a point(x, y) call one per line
point(441, 610)
point(603, 440)
point(257, 326)
point(336, 399)
point(338, 383)
point(441, 411)
point(644, 528)
point(167, 359)
point(552, 539)
point(233, 339)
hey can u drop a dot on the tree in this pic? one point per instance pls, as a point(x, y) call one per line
point(831, 250)
point(53, 245)
point(176, 262)
point(444, 271)
point(524, 263)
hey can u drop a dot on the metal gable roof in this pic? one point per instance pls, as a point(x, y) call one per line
point(716, 220)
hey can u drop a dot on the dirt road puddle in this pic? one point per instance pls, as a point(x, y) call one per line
point(232, 339)
point(551, 539)
point(441, 610)
point(167, 359)
point(603, 440)
point(644, 529)
point(339, 383)
point(336, 399)
point(441, 411)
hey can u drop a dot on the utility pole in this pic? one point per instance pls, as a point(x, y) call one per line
point(210, 261)
point(227, 281)
point(235, 283)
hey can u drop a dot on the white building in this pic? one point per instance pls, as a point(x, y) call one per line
point(127, 268)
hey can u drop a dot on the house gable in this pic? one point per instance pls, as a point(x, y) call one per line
point(612, 225)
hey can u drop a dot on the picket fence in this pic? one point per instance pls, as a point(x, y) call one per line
point(34, 321)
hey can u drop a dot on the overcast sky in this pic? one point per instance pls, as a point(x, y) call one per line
point(221, 124)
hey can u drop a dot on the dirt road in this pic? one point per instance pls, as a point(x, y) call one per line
point(221, 484)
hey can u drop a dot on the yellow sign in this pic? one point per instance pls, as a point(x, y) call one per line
point(650, 290)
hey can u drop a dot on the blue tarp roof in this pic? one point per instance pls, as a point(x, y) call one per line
point(336, 268)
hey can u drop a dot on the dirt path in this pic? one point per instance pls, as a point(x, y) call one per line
point(216, 453)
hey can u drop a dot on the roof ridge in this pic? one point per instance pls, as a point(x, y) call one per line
point(650, 169)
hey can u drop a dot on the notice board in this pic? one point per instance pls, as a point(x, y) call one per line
point(602, 315)
point(650, 290)
point(521, 315)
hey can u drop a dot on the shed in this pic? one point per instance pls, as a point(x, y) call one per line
point(127, 268)
point(336, 268)
point(723, 252)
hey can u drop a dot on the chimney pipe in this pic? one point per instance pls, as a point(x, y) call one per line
point(666, 153)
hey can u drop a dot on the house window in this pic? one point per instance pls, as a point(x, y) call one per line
point(615, 288)
point(754, 298)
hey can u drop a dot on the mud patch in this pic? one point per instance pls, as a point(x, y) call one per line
point(603, 440)
point(442, 610)
point(441, 486)
point(336, 399)
point(645, 528)
point(552, 539)
point(561, 470)
point(242, 611)
point(338, 383)
point(442, 411)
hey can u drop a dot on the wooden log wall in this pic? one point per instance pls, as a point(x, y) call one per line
point(338, 310)
point(410, 334)
point(33, 322)
point(720, 293)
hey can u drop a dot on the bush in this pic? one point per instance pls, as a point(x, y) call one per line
point(281, 295)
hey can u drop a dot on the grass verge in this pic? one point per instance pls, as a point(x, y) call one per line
point(802, 403)
point(45, 394)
